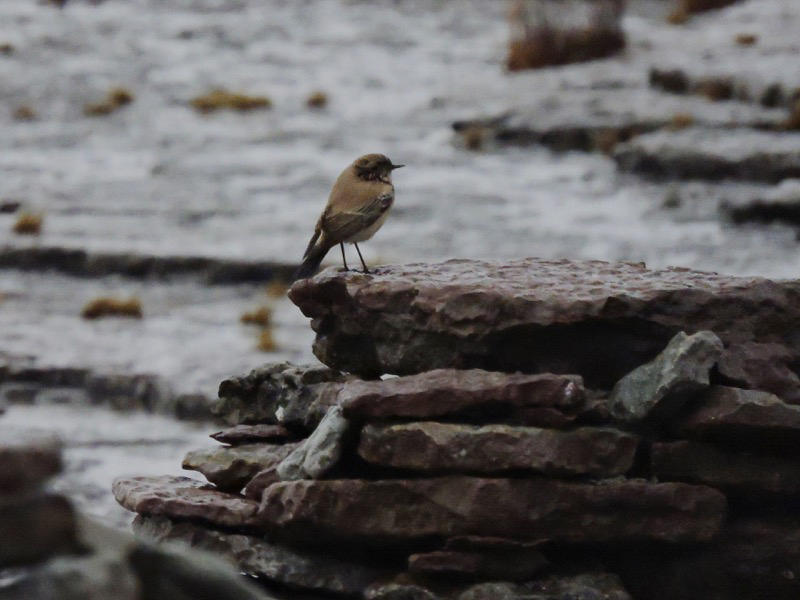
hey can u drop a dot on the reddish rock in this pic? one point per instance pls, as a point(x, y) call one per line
point(251, 434)
point(184, 498)
point(453, 393)
point(762, 367)
point(504, 566)
point(743, 419)
point(405, 511)
point(600, 320)
point(753, 558)
point(230, 468)
point(446, 447)
point(26, 460)
point(743, 474)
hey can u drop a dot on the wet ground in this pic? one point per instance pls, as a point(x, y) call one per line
point(157, 178)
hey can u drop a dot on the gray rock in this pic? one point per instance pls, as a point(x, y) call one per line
point(280, 393)
point(256, 486)
point(446, 447)
point(474, 565)
point(399, 591)
point(230, 468)
point(586, 586)
point(662, 387)
point(321, 451)
point(258, 557)
point(34, 527)
point(184, 498)
point(251, 434)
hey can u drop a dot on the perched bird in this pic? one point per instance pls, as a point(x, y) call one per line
point(360, 202)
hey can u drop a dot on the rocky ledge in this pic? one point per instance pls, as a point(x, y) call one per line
point(655, 455)
point(596, 319)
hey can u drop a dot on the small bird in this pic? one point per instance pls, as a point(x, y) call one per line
point(359, 204)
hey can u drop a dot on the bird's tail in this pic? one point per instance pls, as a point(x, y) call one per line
point(311, 261)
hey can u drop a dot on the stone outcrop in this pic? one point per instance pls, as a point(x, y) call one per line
point(478, 472)
point(595, 319)
point(57, 554)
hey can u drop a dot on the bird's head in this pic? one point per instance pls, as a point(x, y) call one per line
point(374, 166)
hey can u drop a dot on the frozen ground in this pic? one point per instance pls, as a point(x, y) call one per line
point(158, 178)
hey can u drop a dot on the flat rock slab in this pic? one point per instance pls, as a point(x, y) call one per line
point(403, 512)
point(184, 499)
point(444, 447)
point(455, 394)
point(748, 475)
point(743, 419)
point(253, 434)
point(508, 566)
point(231, 468)
point(758, 366)
point(260, 558)
point(586, 586)
point(27, 459)
point(712, 154)
point(596, 319)
point(296, 397)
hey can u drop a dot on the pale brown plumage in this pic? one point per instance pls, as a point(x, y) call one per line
point(359, 203)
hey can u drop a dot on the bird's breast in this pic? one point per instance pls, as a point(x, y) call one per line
point(368, 232)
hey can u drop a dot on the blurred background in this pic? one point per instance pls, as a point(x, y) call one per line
point(162, 166)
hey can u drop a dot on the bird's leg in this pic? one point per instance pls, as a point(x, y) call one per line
point(366, 270)
point(344, 258)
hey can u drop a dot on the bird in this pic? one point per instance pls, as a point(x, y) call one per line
point(359, 204)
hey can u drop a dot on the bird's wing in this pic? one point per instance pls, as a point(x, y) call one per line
point(345, 224)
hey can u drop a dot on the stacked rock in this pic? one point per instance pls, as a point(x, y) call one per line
point(557, 430)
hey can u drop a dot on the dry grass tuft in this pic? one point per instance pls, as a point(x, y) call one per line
point(100, 308)
point(746, 39)
point(24, 113)
point(715, 89)
point(792, 122)
point(220, 98)
point(6, 48)
point(317, 100)
point(116, 98)
point(277, 289)
point(265, 341)
point(681, 121)
point(28, 224)
point(262, 317)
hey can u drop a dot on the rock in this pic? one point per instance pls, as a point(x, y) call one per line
point(599, 320)
point(94, 577)
point(446, 447)
point(80, 263)
point(659, 389)
point(27, 460)
point(461, 394)
point(258, 557)
point(263, 479)
point(709, 154)
point(746, 475)
point(317, 455)
point(280, 393)
point(754, 557)
point(743, 419)
point(399, 591)
point(403, 512)
point(184, 498)
point(35, 527)
point(508, 566)
point(761, 367)
point(586, 586)
point(129, 392)
point(250, 434)
point(230, 468)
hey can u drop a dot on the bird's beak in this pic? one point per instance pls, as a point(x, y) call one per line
point(397, 167)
